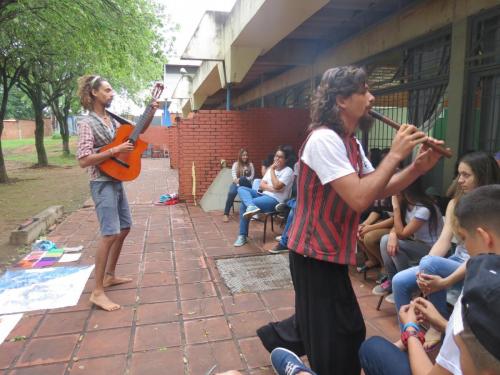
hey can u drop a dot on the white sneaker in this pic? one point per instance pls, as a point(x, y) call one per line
point(390, 298)
point(250, 211)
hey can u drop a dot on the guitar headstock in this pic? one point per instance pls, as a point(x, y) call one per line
point(157, 90)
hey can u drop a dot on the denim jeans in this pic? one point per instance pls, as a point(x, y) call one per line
point(381, 357)
point(232, 193)
point(404, 284)
point(284, 236)
point(250, 197)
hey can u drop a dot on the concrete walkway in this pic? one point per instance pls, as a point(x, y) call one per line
point(178, 317)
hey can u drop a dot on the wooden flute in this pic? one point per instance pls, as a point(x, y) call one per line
point(393, 124)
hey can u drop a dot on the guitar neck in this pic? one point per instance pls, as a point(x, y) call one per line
point(144, 120)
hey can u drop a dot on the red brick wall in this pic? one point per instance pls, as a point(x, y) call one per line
point(21, 129)
point(210, 136)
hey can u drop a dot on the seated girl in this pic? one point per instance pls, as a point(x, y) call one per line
point(276, 186)
point(377, 224)
point(243, 173)
point(417, 225)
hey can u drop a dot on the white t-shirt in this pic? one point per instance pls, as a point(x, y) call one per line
point(325, 153)
point(424, 233)
point(285, 176)
point(449, 355)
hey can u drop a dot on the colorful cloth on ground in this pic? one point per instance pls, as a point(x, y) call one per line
point(41, 258)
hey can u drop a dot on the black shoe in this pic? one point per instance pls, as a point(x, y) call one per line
point(278, 249)
point(281, 208)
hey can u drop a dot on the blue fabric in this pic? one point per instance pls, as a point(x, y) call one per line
point(256, 184)
point(284, 236)
point(404, 284)
point(166, 120)
point(232, 193)
point(250, 197)
point(380, 357)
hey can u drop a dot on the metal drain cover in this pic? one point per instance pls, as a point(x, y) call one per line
point(256, 273)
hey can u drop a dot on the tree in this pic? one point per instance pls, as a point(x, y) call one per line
point(10, 69)
point(31, 82)
point(119, 39)
point(18, 105)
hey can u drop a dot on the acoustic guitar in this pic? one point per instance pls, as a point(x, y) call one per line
point(126, 166)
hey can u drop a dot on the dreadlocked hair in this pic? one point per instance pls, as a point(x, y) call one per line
point(86, 84)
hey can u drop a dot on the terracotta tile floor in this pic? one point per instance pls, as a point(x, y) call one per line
point(178, 317)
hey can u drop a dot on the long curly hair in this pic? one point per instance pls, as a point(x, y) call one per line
point(85, 86)
point(342, 81)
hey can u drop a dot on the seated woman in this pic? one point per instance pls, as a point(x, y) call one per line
point(377, 224)
point(412, 235)
point(243, 173)
point(435, 273)
point(276, 186)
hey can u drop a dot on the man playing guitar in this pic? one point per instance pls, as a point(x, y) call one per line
point(95, 130)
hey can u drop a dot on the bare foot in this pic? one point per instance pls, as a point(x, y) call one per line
point(102, 301)
point(110, 280)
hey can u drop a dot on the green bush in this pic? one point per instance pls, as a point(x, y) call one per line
point(56, 136)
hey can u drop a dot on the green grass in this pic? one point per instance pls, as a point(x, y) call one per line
point(23, 150)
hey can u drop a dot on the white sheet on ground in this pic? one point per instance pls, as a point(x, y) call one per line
point(40, 289)
point(72, 257)
point(7, 324)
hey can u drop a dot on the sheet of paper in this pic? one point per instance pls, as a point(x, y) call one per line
point(7, 324)
point(75, 249)
point(71, 257)
point(42, 288)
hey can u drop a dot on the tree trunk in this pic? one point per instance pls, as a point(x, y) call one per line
point(63, 129)
point(3, 171)
point(3, 108)
point(39, 129)
point(64, 125)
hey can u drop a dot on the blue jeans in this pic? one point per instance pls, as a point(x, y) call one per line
point(404, 284)
point(380, 357)
point(233, 192)
point(250, 197)
point(284, 236)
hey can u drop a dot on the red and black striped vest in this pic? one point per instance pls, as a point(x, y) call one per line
point(324, 226)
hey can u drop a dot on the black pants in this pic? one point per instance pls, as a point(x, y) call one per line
point(328, 315)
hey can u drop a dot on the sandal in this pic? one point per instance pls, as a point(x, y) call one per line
point(432, 340)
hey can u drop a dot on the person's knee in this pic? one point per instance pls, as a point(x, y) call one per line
point(369, 349)
point(404, 280)
point(427, 263)
point(110, 238)
point(124, 232)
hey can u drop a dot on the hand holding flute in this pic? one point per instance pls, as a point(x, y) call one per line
point(431, 142)
point(407, 137)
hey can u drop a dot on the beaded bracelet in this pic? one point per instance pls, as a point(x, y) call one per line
point(411, 324)
point(407, 334)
